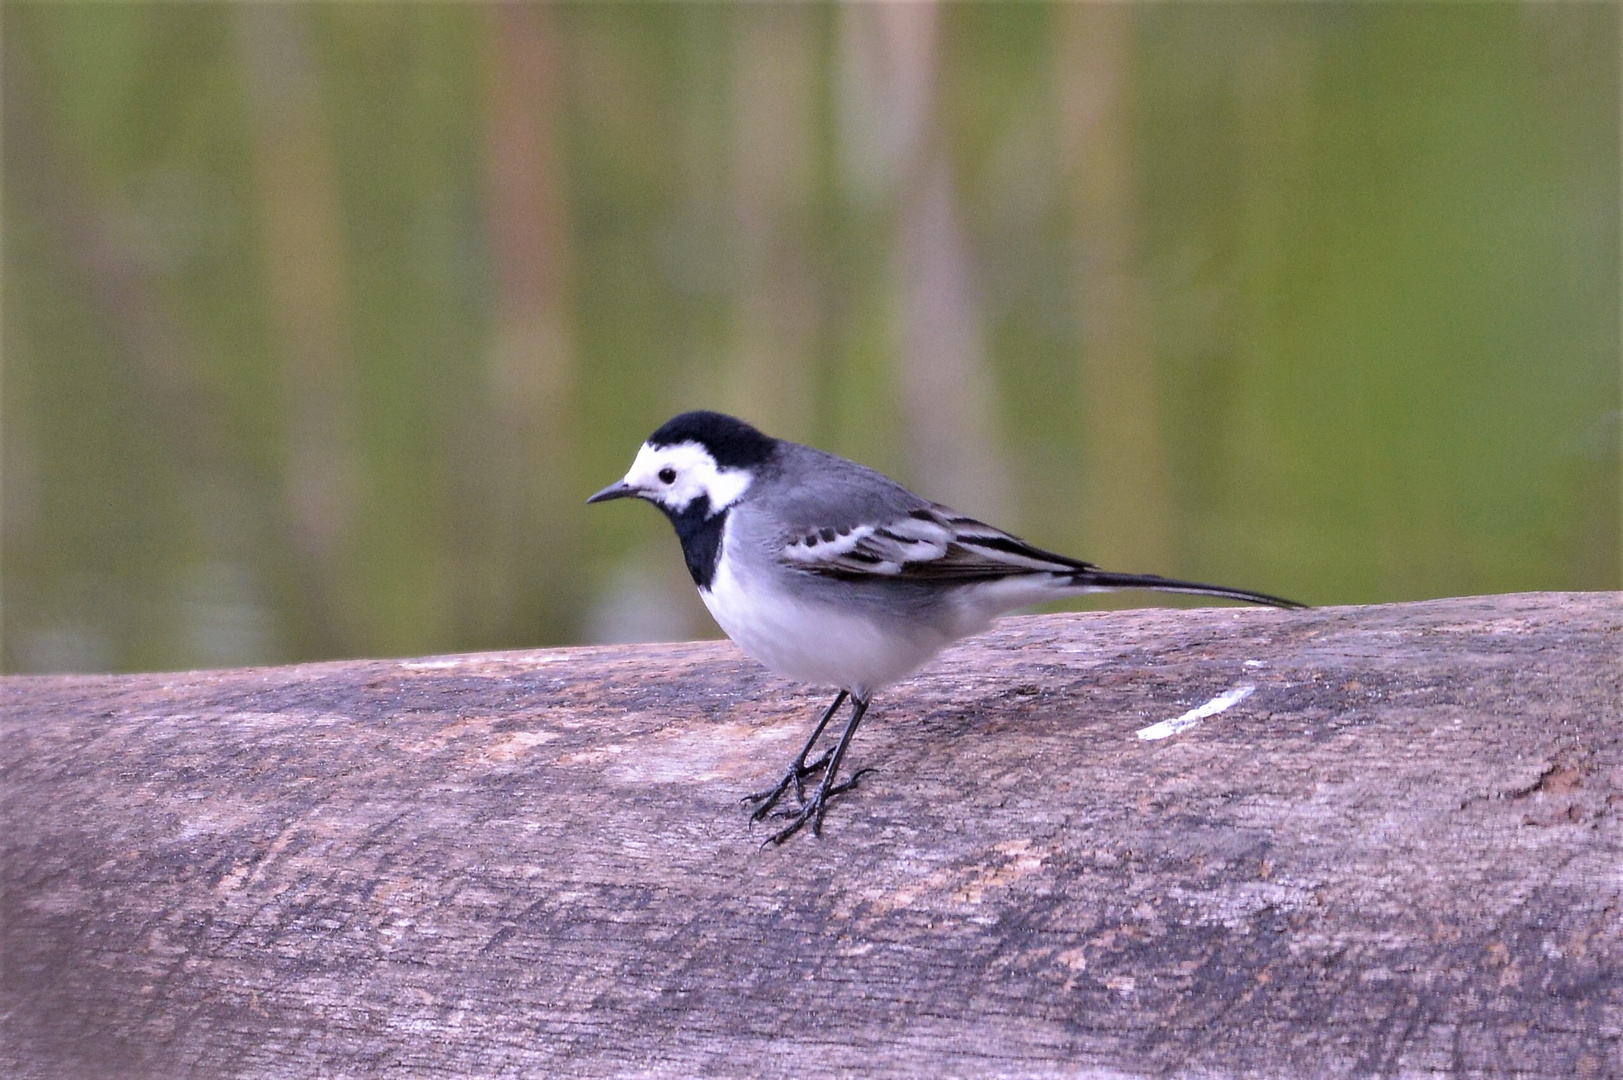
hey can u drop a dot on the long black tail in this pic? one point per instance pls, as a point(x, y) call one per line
point(1103, 579)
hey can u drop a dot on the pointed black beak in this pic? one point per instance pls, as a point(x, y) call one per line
point(617, 490)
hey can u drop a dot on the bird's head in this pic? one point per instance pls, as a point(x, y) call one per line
point(696, 456)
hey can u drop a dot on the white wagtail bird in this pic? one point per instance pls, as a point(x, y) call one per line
point(828, 572)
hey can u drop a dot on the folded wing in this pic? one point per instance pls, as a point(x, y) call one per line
point(929, 543)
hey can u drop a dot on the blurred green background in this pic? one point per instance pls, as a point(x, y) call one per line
point(320, 321)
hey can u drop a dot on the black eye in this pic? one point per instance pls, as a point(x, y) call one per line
point(667, 476)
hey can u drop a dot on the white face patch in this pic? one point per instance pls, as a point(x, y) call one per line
point(695, 473)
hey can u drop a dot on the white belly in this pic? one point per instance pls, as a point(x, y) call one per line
point(815, 642)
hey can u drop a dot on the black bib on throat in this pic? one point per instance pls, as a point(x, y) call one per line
point(700, 533)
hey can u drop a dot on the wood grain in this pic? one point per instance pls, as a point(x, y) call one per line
point(1400, 856)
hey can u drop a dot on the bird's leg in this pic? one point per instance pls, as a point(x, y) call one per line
point(798, 769)
point(813, 811)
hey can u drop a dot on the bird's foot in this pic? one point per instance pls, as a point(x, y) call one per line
point(796, 776)
point(811, 810)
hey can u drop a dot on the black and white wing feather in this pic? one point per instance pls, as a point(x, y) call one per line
point(936, 544)
point(928, 543)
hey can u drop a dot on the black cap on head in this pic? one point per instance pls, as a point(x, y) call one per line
point(733, 443)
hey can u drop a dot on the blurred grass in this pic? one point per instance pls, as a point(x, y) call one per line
point(320, 321)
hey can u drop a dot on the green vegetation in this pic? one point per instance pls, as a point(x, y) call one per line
point(320, 321)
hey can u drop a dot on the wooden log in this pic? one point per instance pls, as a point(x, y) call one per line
point(1401, 855)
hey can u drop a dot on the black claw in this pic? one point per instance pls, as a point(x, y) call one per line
point(767, 799)
point(797, 820)
point(840, 789)
point(812, 811)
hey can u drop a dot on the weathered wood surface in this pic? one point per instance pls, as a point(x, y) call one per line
point(1401, 855)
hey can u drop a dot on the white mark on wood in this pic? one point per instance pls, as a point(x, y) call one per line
point(1194, 716)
